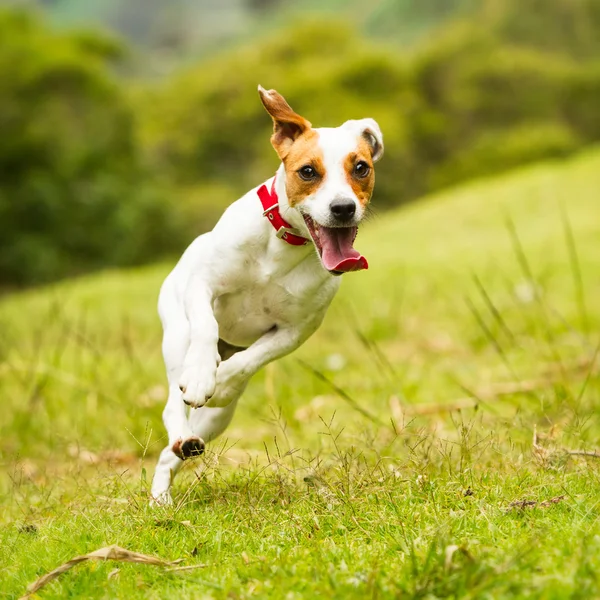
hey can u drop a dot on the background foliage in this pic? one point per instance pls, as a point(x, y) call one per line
point(103, 166)
point(72, 193)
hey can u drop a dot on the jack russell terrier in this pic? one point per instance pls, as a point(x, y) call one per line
point(258, 285)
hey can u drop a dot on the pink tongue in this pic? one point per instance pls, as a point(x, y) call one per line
point(338, 253)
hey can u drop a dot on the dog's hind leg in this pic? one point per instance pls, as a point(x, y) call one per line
point(171, 458)
point(182, 443)
point(209, 422)
point(205, 423)
point(166, 468)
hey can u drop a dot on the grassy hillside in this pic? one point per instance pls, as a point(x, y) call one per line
point(382, 459)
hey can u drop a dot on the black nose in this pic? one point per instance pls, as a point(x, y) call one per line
point(343, 209)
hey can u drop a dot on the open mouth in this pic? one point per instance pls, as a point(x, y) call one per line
point(335, 247)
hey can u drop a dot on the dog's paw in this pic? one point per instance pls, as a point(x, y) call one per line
point(188, 448)
point(198, 385)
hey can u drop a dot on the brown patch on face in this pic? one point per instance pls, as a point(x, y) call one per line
point(288, 126)
point(361, 186)
point(305, 151)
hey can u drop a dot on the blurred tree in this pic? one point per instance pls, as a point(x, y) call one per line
point(569, 27)
point(265, 5)
point(408, 20)
point(70, 193)
point(171, 33)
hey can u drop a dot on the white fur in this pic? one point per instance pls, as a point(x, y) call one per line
point(244, 285)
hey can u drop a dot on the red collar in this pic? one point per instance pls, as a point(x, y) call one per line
point(270, 204)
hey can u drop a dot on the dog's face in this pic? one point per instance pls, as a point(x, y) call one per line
point(329, 177)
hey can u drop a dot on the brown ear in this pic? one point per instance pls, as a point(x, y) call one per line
point(287, 125)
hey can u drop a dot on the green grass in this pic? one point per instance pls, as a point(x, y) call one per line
point(380, 460)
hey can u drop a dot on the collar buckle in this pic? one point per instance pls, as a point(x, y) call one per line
point(283, 232)
point(268, 210)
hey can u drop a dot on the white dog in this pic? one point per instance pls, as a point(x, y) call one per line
point(258, 285)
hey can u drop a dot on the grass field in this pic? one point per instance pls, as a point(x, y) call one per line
point(428, 442)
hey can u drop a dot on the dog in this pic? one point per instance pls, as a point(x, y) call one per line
point(258, 285)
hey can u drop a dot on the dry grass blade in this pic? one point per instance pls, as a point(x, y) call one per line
point(552, 501)
point(541, 453)
point(544, 454)
point(188, 568)
point(523, 504)
point(397, 413)
point(449, 553)
point(587, 453)
point(108, 553)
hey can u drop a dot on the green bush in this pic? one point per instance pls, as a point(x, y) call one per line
point(487, 106)
point(506, 149)
point(71, 192)
point(567, 27)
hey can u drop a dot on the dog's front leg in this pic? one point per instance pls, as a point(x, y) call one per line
point(233, 374)
point(198, 377)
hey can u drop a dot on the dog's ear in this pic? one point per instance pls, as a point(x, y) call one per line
point(370, 131)
point(287, 125)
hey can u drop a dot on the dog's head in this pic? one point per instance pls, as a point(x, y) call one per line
point(329, 177)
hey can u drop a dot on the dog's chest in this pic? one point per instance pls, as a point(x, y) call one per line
point(265, 298)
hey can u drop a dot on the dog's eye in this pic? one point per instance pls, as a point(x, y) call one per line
point(307, 173)
point(361, 169)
